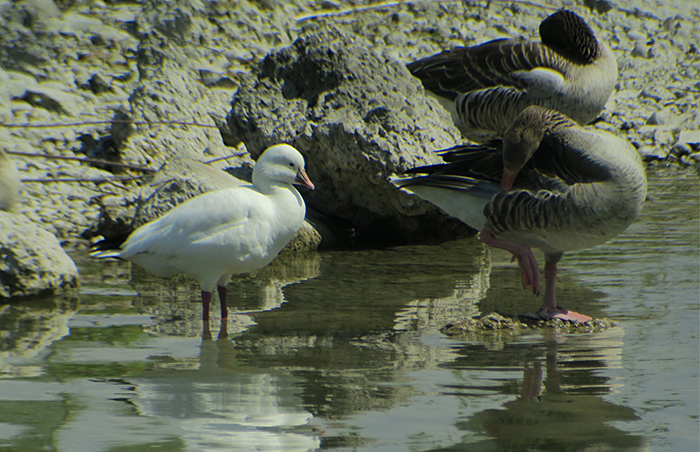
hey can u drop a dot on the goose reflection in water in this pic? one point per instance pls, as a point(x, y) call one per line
point(565, 410)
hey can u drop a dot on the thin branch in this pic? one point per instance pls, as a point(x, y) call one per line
point(115, 121)
point(96, 181)
point(85, 160)
point(387, 5)
point(238, 154)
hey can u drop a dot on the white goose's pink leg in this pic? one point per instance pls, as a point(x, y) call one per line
point(522, 253)
point(549, 308)
point(222, 298)
point(206, 299)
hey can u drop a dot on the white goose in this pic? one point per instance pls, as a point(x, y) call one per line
point(550, 184)
point(225, 232)
point(486, 86)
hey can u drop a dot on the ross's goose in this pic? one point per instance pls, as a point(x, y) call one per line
point(486, 86)
point(225, 232)
point(550, 184)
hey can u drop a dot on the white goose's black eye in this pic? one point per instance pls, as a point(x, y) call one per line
point(291, 164)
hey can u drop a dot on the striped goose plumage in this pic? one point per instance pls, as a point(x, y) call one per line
point(486, 86)
point(549, 184)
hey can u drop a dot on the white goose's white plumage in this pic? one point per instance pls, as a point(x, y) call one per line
point(225, 232)
point(550, 184)
point(486, 86)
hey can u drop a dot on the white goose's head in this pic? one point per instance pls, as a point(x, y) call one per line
point(280, 163)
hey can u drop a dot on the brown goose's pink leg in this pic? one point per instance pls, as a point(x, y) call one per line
point(522, 253)
point(549, 308)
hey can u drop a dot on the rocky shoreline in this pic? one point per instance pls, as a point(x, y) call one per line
point(161, 85)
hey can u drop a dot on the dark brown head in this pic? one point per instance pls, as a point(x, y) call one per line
point(523, 138)
point(568, 34)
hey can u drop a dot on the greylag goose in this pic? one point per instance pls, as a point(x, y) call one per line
point(550, 184)
point(486, 86)
point(224, 232)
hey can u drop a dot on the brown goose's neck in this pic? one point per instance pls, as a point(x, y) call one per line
point(524, 136)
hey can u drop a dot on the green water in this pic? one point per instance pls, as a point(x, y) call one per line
point(342, 351)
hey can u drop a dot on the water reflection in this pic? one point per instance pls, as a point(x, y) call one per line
point(567, 412)
point(226, 405)
point(342, 351)
point(27, 328)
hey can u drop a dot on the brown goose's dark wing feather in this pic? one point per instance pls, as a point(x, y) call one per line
point(554, 167)
point(467, 69)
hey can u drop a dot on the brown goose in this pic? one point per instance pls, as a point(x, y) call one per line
point(550, 184)
point(486, 86)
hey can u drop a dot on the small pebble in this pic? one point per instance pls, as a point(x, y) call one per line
point(681, 149)
point(642, 51)
point(650, 153)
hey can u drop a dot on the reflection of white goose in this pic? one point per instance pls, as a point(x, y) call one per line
point(488, 85)
point(562, 188)
point(225, 232)
point(237, 412)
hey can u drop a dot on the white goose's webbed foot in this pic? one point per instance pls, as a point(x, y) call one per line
point(529, 267)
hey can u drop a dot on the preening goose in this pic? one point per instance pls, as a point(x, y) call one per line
point(550, 184)
point(486, 86)
point(225, 232)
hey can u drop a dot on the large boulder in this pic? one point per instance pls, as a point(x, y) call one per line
point(32, 261)
point(358, 117)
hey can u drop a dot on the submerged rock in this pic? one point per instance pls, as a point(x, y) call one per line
point(32, 261)
point(504, 322)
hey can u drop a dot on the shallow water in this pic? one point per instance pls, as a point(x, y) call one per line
point(342, 351)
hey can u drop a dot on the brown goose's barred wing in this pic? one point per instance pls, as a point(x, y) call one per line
point(466, 69)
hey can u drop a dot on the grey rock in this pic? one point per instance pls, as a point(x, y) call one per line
point(689, 137)
point(656, 119)
point(635, 35)
point(681, 149)
point(641, 50)
point(358, 118)
point(656, 93)
point(650, 153)
point(32, 261)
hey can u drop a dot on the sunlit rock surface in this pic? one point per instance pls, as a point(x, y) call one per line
point(358, 117)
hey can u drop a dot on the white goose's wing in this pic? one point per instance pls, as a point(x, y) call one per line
point(220, 226)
